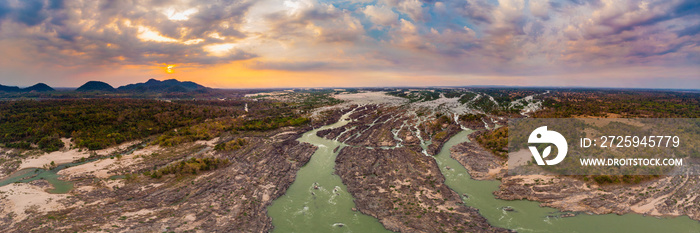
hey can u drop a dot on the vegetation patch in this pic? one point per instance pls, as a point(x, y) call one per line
point(50, 144)
point(211, 129)
point(416, 96)
point(95, 123)
point(496, 141)
point(232, 145)
point(189, 167)
point(622, 103)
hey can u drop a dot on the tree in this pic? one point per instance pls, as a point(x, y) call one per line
point(50, 144)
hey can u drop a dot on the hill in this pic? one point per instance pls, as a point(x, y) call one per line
point(170, 85)
point(39, 87)
point(9, 88)
point(95, 86)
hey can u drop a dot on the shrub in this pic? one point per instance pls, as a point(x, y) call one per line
point(50, 144)
point(231, 145)
point(190, 166)
point(19, 145)
point(495, 141)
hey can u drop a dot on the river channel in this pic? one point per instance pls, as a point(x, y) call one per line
point(51, 175)
point(318, 201)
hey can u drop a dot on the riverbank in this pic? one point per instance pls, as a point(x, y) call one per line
point(318, 201)
point(669, 196)
point(229, 198)
point(67, 155)
point(20, 200)
point(389, 169)
point(406, 191)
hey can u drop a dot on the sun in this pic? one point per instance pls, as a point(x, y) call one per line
point(169, 68)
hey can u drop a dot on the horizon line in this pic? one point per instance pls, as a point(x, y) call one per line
point(387, 86)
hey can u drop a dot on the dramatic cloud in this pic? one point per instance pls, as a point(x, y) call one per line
point(78, 33)
point(381, 15)
point(453, 42)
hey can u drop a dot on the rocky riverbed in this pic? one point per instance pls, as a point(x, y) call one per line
point(666, 196)
point(231, 198)
point(386, 127)
point(481, 164)
point(386, 169)
point(405, 190)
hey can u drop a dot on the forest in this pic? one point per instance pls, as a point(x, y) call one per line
point(496, 141)
point(96, 123)
point(604, 104)
point(625, 103)
point(99, 123)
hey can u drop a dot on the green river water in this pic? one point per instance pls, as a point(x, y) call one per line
point(50, 175)
point(318, 201)
point(306, 209)
point(528, 216)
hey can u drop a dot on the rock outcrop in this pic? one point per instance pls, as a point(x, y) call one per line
point(233, 198)
point(405, 190)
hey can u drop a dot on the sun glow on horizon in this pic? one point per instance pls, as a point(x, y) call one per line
point(318, 43)
point(169, 69)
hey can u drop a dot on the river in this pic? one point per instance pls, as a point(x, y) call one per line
point(30, 174)
point(306, 209)
point(59, 186)
point(318, 200)
point(528, 216)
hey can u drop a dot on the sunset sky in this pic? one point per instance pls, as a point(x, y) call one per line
point(313, 43)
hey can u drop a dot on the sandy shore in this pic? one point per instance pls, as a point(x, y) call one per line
point(58, 157)
point(67, 156)
point(668, 196)
point(374, 97)
point(102, 168)
point(519, 158)
point(19, 197)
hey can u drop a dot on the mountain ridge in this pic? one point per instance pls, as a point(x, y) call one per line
point(95, 86)
point(168, 85)
point(39, 87)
